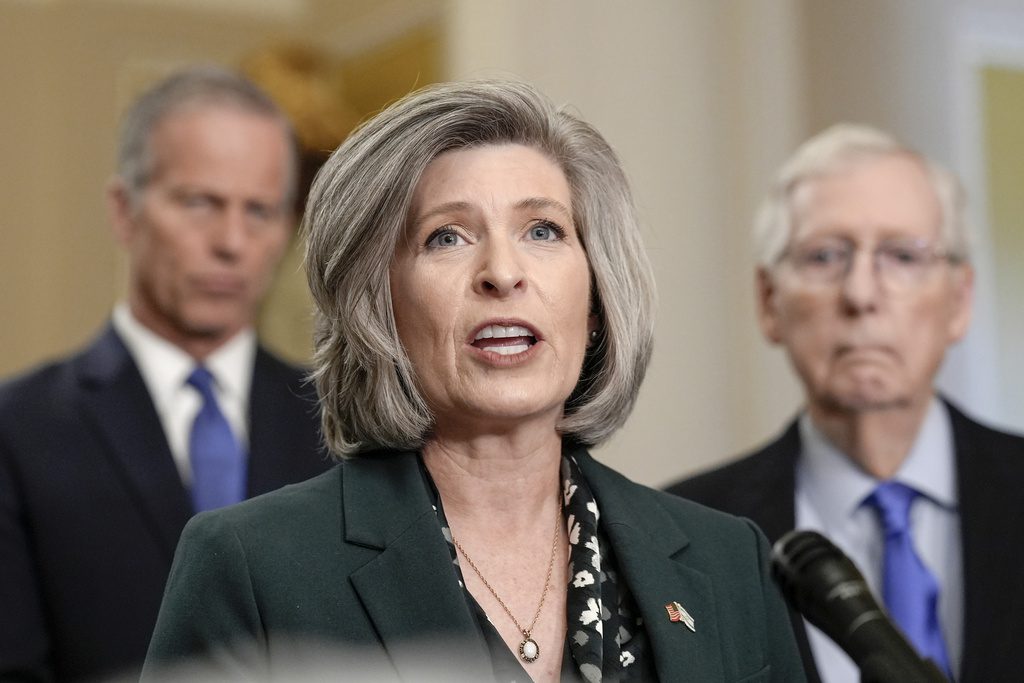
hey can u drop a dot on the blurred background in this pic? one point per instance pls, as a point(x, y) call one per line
point(702, 99)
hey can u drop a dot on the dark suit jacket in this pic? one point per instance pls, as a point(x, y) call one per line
point(355, 559)
point(91, 504)
point(990, 481)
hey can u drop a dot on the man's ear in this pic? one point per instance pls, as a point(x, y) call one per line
point(120, 211)
point(767, 312)
point(961, 302)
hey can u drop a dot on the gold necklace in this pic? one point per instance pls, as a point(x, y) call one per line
point(529, 651)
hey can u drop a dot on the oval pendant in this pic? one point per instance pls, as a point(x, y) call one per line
point(529, 650)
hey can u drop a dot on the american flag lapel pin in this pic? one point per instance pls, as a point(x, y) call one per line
point(678, 613)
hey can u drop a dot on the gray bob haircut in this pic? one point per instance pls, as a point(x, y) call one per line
point(833, 150)
point(191, 88)
point(358, 211)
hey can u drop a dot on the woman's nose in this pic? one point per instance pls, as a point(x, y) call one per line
point(501, 269)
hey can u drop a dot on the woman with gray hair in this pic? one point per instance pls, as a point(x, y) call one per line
point(485, 316)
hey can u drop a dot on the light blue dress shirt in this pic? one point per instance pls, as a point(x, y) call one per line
point(830, 490)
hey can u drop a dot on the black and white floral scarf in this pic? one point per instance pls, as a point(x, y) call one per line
point(607, 645)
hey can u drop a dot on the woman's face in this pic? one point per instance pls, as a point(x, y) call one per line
point(491, 288)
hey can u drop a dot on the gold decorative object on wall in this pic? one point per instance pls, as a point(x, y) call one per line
point(326, 97)
point(310, 87)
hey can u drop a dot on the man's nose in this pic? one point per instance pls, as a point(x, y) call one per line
point(231, 232)
point(862, 282)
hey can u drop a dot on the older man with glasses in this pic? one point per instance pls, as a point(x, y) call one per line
point(864, 278)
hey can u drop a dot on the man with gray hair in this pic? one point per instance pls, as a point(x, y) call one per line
point(864, 278)
point(175, 408)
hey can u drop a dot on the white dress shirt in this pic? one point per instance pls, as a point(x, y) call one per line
point(830, 491)
point(165, 369)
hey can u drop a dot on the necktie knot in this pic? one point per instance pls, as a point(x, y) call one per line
point(202, 380)
point(893, 500)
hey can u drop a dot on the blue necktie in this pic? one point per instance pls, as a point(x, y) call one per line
point(218, 463)
point(909, 590)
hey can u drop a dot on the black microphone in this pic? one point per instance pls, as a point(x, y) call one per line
point(825, 586)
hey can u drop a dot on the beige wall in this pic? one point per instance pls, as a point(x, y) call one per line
point(64, 65)
point(69, 69)
point(1003, 89)
point(702, 100)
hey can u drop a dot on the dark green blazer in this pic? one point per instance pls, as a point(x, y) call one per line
point(354, 561)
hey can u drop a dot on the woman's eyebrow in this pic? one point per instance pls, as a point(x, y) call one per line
point(442, 209)
point(536, 203)
point(529, 203)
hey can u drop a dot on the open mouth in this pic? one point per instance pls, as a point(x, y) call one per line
point(504, 340)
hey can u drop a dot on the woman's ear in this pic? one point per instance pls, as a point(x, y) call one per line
point(593, 324)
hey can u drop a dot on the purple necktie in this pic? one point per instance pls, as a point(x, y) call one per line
point(909, 590)
point(218, 463)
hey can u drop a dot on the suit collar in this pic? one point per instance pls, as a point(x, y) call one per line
point(640, 514)
point(282, 430)
point(773, 499)
point(651, 550)
point(115, 399)
point(409, 590)
point(772, 506)
point(411, 595)
point(990, 476)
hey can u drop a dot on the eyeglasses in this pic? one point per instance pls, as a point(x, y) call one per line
point(900, 263)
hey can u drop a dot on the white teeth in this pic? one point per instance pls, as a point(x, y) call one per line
point(502, 332)
point(508, 350)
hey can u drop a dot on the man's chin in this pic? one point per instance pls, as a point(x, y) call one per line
point(864, 401)
point(210, 329)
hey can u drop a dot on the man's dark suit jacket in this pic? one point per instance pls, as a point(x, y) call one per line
point(91, 505)
point(355, 559)
point(990, 483)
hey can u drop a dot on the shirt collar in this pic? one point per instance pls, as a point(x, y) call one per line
point(165, 367)
point(836, 486)
point(833, 484)
point(930, 468)
point(232, 365)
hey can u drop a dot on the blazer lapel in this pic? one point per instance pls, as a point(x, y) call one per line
point(989, 479)
point(115, 398)
point(650, 549)
point(773, 508)
point(280, 433)
point(773, 499)
point(410, 591)
point(658, 579)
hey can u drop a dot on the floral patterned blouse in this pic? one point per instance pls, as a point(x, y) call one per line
point(606, 640)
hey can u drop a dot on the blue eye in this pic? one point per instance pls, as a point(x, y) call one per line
point(545, 231)
point(263, 212)
point(903, 255)
point(444, 237)
point(822, 255)
point(825, 255)
point(197, 201)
